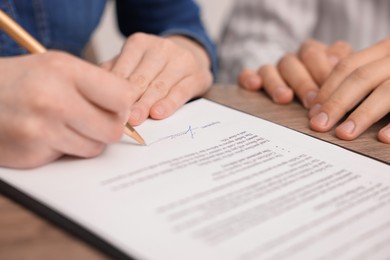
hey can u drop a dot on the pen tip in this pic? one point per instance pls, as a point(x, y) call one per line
point(131, 132)
point(138, 138)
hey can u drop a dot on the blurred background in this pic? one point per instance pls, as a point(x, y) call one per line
point(107, 40)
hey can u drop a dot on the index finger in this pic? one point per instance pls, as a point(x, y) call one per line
point(344, 68)
point(313, 55)
point(338, 51)
point(102, 88)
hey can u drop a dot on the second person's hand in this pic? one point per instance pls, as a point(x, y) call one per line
point(359, 83)
point(299, 74)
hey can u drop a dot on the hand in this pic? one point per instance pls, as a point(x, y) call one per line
point(359, 83)
point(164, 73)
point(53, 104)
point(300, 73)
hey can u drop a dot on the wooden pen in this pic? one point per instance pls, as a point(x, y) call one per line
point(22, 37)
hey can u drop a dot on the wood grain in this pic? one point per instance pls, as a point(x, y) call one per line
point(295, 116)
point(23, 235)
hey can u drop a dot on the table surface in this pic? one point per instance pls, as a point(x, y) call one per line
point(24, 235)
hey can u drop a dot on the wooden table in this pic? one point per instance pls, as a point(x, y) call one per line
point(23, 235)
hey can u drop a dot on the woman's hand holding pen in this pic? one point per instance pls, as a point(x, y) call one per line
point(53, 104)
point(163, 72)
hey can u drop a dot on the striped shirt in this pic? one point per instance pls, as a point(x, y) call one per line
point(262, 31)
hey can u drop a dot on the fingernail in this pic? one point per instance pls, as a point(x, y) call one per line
point(159, 110)
point(347, 127)
point(333, 60)
point(278, 93)
point(135, 115)
point(320, 120)
point(252, 82)
point(314, 110)
point(310, 96)
point(386, 132)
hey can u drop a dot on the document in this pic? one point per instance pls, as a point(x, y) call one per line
point(216, 183)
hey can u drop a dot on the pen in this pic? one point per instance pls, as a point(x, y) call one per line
point(16, 32)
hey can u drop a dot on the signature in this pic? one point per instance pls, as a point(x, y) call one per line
point(190, 131)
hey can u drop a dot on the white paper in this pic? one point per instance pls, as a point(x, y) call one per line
point(215, 183)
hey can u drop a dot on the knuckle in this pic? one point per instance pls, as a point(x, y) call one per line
point(173, 104)
point(187, 56)
point(138, 37)
point(43, 105)
point(265, 69)
point(345, 66)
point(361, 74)
point(165, 44)
point(29, 130)
point(385, 87)
point(363, 113)
point(384, 91)
point(336, 104)
point(343, 45)
point(309, 53)
point(39, 103)
point(308, 44)
point(139, 81)
point(286, 59)
point(58, 59)
point(160, 86)
point(283, 62)
point(183, 94)
point(305, 85)
point(121, 73)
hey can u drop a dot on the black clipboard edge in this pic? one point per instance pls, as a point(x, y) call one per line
point(61, 221)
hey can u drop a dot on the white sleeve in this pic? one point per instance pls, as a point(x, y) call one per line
point(261, 31)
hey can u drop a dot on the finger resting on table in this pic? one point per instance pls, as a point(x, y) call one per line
point(249, 79)
point(274, 85)
point(384, 134)
point(348, 65)
point(356, 86)
point(374, 107)
point(316, 61)
point(338, 51)
point(298, 78)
